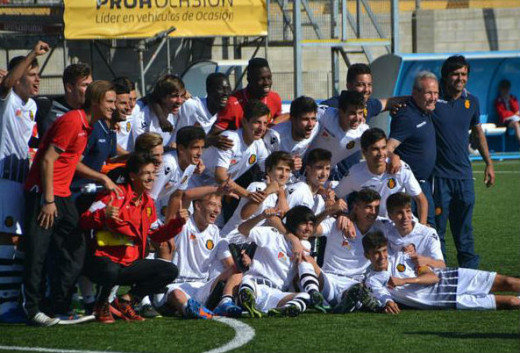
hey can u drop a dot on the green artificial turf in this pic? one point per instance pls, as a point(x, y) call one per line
point(497, 232)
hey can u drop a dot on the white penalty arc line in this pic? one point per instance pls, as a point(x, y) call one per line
point(243, 334)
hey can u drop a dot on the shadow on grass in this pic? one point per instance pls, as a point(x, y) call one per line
point(467, 335)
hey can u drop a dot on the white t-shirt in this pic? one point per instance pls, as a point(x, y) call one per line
point(169, 178)
point(235, 220)
point(16, 128)
point(300, 194)
point(272, 259)
point(236, 160)
point(146, 121)
point(194, 112)
point(124, 136)
point(195, 251)
point(359, 177)
point(440, 295)
point(345, 257)
point(279, 138)
point(424, 238)
point(342, 144)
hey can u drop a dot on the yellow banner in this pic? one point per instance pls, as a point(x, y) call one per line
point(98, 19)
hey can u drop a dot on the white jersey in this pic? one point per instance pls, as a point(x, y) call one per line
point(345, 257)
point(272, 259)
point(16, 128)
point(300, 194)
point(195, 251)
point(279, 138)
point(235, 220)
point(236, 160)
point(359, 177)
point(169, 178)
point(342, 144)
point(194, 112)
point(146, 121)
point(440, 295)
point(124, 135)
point(424, 238)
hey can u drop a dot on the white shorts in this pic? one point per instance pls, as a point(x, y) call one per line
point(12, 204)
point(268, 298)
point(473, 289)
point(511, 119)
point(334, 286)
point(199, 291)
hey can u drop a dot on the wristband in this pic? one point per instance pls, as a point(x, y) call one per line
point(49, 202)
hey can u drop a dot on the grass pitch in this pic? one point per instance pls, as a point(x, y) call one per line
point(496, 224)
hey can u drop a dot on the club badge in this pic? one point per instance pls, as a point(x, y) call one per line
point(467, 104)
point(391, 183)
point(351, 145)
point(210, 244)
point(401, 267)
point(252, 159)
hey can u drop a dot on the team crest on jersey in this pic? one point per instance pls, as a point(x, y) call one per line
point(9, 221)
point(163, 211)
point(401, 267)
point(210, 244)
point(391, 183)
point(149, 211)
point(18, 113)
point(192, 236)
point(438, 211)
point(281, 256)
point(467, 104)
point(365, 112)
point(252, 159)
point(128, 126)
point(351, 145)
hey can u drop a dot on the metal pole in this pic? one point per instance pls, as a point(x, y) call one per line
point(358, 18)
point(140, 51)
point(297, 51)
point(333, 51)
point(168, 54)
point(65, 54)
point(417, 4)
point(395, 27)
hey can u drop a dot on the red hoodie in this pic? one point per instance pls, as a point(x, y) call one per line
point(138, 222)
point(501, 107)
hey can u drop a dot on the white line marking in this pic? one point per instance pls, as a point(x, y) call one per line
point(500, 171)
point(49, 350)
point(243, 334)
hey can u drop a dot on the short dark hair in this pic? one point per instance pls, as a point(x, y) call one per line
point(302, 105)
point(121, 89)
point(366, 196)
point(357, 69)
point(135, 162)
point(348, 98)
point(298, 215)
point(126, 82)
point(398, 200)
point(318, 155)
point(18, 59)
point(255, 109)
point(453, 63)
point(214, 79)
point(256, 63)
point(374, 240)
point(188, 134)
point(74, 72)
point(371, 136)
point(504, 84)
point(276, 157)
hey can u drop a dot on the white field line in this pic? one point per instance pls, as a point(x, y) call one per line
point(500, 171)
point(243, 334)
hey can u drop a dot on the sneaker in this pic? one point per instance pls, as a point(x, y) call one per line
point(318, 302)
point(148, 311)
point(73, 318)
point(125, 308)
point(42, 320)
point(228, 309)
point(195, 310)
point(368, 302)
point(288, 310)
point(103, 313)
point(350, 300)
point(248, 302)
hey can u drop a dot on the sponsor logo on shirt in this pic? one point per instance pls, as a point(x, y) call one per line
point(210, 244)
point(18, 113)
point(421, 124)
point(467, 104)
point(401, 267)
point(233, 161)
point(282, 256)
point(351, 145)
point(192, 236)
point(273, 140)
point(31, 115)
point(346, 244)
point(184, 179)
point(391, 183)
point(82, 133)
point(252, 159)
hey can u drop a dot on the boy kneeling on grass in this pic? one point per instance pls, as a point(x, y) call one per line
point(397, 280)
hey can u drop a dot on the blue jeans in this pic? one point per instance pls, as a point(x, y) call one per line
point(454, 200)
